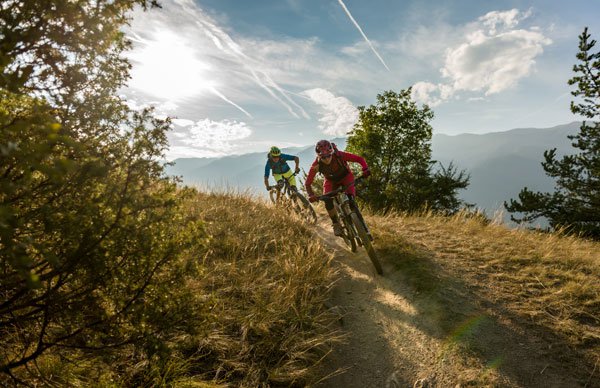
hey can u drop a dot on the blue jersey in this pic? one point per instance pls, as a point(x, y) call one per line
point(280, 167)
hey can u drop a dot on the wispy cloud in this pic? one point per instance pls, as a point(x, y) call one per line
point(339, 114)
point(494, 56)
point(219, 94)
point(168, 65)
point(182, 53)
point(363, 34)
point(224, 42)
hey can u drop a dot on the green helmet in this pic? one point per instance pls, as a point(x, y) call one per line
point(275, 151)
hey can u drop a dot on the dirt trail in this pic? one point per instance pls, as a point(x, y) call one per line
point(399, 336)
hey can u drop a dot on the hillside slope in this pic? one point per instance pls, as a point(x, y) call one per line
point(242, 305)
point(464, 304)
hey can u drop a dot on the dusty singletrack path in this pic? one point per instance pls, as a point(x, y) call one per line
point(395, 335)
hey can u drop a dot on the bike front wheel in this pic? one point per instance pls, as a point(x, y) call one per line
point(274, 195)
point(366, 242)
point(349, 235)
point(304, 208)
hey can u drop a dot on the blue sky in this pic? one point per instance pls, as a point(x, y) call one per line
point(239, 76)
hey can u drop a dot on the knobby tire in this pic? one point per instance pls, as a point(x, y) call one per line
point(366, 242)
point(305, 209)
point(348, 234)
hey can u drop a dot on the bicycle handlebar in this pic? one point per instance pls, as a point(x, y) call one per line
point(339, 189)
point(275, 186)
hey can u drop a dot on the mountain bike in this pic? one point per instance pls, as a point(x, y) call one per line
point(284, 193)
point(356, 232)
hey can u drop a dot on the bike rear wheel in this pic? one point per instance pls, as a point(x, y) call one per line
point(366, 242)
point(304, 208)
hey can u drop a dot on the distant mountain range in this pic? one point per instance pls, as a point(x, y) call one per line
point(500, 163)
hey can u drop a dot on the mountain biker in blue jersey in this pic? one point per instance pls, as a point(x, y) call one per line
point(277, 162)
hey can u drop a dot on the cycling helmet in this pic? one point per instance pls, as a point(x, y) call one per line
point(324, 148)
point(275, 151)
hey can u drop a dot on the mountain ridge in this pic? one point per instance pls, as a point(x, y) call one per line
point(500, 163)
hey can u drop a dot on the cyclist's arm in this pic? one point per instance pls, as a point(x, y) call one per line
point(297, 161)
point(289, 158)
point(348, 157)
point(267, 171)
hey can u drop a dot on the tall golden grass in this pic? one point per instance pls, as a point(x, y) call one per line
point(551, 281)
point(266, 280)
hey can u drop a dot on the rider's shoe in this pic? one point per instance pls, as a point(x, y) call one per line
point(337, 229)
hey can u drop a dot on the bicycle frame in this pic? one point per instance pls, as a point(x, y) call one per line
point(355, 227)
point(282, 187)
point(341, 202)
point(284, 193)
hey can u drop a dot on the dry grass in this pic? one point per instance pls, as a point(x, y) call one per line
point(549, 281)
point(265, 281)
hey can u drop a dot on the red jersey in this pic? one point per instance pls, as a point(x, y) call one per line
point(336, 171)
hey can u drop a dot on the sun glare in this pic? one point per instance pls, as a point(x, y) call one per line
point(166, 67)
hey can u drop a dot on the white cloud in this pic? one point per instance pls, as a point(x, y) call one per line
point(209, 137)
point(356, 49)
point(182, 122)
point(162, 109)
point(302, 63)
point(230, 47)
point(427, 93)
point(182, 53)
point(339, 114)
point(503, 19)
point(190, 152)
point(494, 56)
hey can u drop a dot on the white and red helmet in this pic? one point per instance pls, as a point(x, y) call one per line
point(323, 148)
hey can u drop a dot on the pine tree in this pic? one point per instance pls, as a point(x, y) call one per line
point(575, 204)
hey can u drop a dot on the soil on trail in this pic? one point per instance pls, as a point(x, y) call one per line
point(398, 335)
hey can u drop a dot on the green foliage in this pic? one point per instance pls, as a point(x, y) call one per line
point(575, 205)
point(60, 48)
point(107, 275)
point(90, 229)
point(394, 136)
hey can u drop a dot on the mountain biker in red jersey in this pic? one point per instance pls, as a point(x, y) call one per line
point(333, 164)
